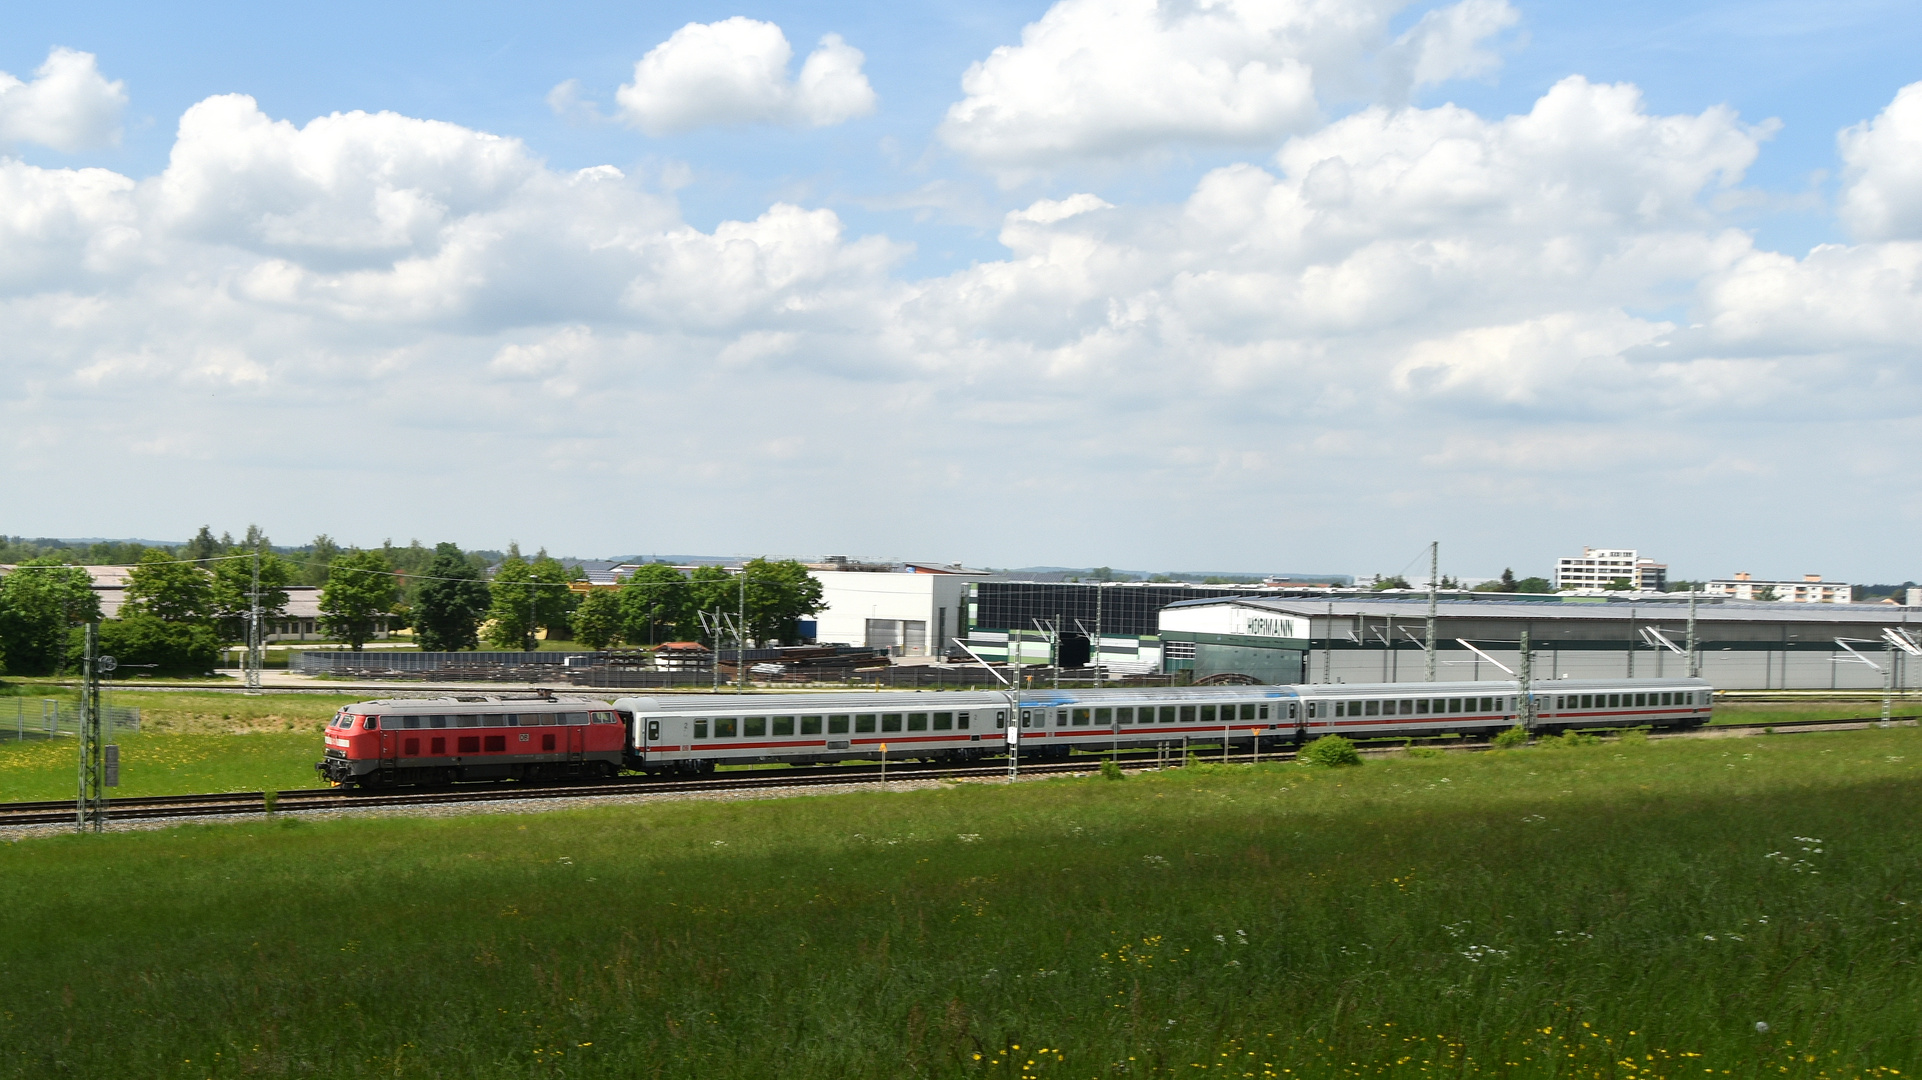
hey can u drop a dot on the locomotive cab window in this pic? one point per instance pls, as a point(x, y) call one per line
point(373, 722)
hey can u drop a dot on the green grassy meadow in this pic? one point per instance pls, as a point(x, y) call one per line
point(1614, 910)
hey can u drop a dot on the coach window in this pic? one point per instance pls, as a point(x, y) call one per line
point(961, 721)
point(917, 721)
point(1489, 704)
point(1341, 708)
point(1027, 718)
point(724, 727)
point(653, 731)
point(891, 721)
point(1001, 719)
point(810, 725)
point(864, 725)
point(754, 727)
point(943, 721)
point(700, 728)
point(1614, 701)
point(1124, 716)
point(1081, 718)
point(1291, 711)
point(1207, 714)
point(837, 725)
point(783, 725)
point(1104, 717)
point(1187, 714)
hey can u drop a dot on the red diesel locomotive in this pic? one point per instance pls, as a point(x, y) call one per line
point(437, 741)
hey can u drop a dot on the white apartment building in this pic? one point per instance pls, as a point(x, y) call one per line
point(1600, 568)
point(1810, 590)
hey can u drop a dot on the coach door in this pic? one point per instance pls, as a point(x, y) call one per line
point(389, 741)
point(576, 742)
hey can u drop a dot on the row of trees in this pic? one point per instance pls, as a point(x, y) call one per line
point(659, 603)
point(181, 609)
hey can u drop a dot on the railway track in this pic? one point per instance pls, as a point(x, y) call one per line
point(170, 807)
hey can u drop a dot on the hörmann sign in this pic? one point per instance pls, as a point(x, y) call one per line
point(1280, 626)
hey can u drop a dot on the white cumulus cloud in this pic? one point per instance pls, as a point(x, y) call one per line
point(1883, 193)
point(1436, 310)
point(1098, 79)
point(68, 106)
point(736, 72)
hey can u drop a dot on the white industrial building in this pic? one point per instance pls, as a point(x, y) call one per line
point(909, 609)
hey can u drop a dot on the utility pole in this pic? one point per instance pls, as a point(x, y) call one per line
point(1054, 650)
point(255, 657)
point(1434, 584)
point(1694, 668)
point(1525, 701)
point(1096, 657)
point(1631, 641)
point(740, 636)
point(1328, 646)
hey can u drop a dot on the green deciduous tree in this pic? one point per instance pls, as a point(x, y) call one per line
point(710, 589)
point(451, 602)
point(161, 647)
point(39, 602)
point(169, 589)
point(779, 594)
point(234, 579)
point(361, 589)
point(320, 553)
point(597, 621)
point(1534, 585)
point(654, 604)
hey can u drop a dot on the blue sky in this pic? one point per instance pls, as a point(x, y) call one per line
point(1590, 346)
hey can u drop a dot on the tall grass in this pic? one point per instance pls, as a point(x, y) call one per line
point(1613, 910)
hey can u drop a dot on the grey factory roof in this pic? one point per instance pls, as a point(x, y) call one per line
point(1585, 609)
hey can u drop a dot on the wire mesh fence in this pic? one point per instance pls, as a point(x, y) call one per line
point(47, 718)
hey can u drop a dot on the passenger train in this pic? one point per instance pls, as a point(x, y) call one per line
point(546, 737)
